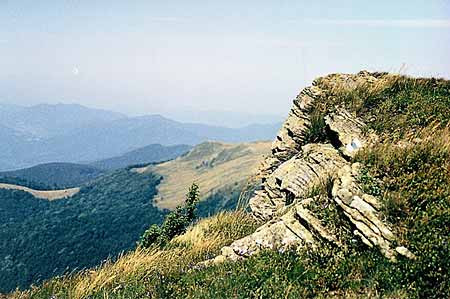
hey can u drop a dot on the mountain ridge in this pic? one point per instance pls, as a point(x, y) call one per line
point(55, 174)
point(105, 139)
point(153, 153)
point(213, 165)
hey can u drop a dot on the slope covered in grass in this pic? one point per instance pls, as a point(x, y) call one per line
point(214, 166)
point(407, 168)
point(43, 194)
point(414, 186)
point(140, 273)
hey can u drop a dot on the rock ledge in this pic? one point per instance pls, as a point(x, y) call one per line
point(296, 168)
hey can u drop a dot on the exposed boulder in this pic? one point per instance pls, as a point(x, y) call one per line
point(295, 177)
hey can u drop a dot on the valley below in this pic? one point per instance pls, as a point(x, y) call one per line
point(78, 227)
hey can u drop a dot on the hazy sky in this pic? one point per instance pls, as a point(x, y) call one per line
point(156, 56)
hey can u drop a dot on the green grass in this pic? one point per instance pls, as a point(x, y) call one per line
point(413, 184)
point(278, 275)
point(316, 132)
point(394, 105)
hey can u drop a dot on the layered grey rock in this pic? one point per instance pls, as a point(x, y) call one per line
point(291, 136)
point(295, 177)
point(295, 168)
point(361, 210)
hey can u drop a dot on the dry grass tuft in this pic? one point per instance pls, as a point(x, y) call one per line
point(391, 105)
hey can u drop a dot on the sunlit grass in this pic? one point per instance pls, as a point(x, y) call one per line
point(202, 241)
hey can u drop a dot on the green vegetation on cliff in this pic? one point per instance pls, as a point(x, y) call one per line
point(394, 106)
point(414, 186)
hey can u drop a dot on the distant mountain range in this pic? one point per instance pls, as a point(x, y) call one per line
point(231, 119)
point(45, 121)
point(74, 133)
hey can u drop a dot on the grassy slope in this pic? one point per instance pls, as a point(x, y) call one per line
point(43, 194)
point(212, 165)
point(408, 170)
point(140, 273)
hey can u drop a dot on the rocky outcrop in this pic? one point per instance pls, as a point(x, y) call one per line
point(362, 211)
point(286, 203)
point(291, 136)
point(295, 177)
point(298, 226)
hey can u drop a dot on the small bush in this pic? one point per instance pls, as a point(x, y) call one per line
point(175, 222)
point(150, 236)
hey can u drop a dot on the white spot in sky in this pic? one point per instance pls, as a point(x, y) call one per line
point(75, 71)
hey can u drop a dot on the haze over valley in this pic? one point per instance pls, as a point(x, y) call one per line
point(73, 133)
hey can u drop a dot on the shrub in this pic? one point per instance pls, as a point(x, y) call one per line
point(150, 236)
point(175, 222)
